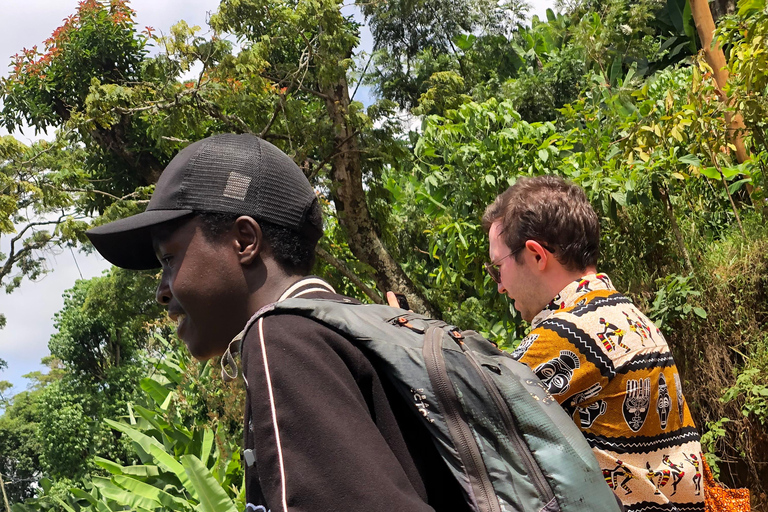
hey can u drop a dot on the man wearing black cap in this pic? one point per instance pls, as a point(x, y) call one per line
point(234, 223)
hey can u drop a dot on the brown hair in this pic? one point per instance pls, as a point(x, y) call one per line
point(551, 211)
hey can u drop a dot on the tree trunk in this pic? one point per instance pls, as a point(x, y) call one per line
point(5, 498)
point(112, 140)
point(349, 198)
point(705, 26)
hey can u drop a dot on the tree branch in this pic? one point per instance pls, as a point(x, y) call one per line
point(14, 256)
point(276, 113)
point(346, 272)
point(231, 120)
point(318, 94)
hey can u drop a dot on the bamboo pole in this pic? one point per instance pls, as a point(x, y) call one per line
point(705, 26)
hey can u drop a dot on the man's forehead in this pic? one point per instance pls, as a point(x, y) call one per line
point(497, 227)
point(165, 231)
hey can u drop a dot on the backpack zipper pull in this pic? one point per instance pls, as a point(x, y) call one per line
point(455, 333)
point(403, 322)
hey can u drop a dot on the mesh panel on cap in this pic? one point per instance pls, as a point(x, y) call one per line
point(245, 175)
point(207, 172)
point(292, 187)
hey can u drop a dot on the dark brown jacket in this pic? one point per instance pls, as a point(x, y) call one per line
point(327, 432)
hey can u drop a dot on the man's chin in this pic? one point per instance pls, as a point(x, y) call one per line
point(203, 350)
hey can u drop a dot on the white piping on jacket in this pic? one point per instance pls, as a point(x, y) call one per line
point(281, 463)
point(303, 282)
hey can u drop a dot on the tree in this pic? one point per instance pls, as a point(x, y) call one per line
point(705, 25)
point(135, 113)
point(104, 330)
point(20, 446)
point(4, 384)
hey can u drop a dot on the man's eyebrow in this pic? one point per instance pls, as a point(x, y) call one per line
point(160, 234)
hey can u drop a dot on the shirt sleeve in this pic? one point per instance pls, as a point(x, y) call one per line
point(316, 443)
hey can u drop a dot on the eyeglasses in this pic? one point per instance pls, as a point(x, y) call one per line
point(494, 270)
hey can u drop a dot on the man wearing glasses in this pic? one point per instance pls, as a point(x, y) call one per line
point(601, 358)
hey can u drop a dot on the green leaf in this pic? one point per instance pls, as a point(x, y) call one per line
point(620, 198)
point(124, 497)
point(150, 492)
point(465, 42)
point(710, 172)
point(748, 7)
point(544, 155)
point(690, 160)
point(730, 172)
point(167, 401)
point(700, 312)
point(736, 185)
point(140, 438)
point(211, 495)
point(690, 27)
point(112, 467)
point(207, 445)
point(155, 390)
point(153, 447)
point(82, 495)
point(63, 504)
point(676, 14)
point(615, 69)
point(167, 461)
point(143, 470)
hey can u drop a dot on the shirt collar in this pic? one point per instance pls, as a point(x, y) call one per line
point(306, 285)
point(572, 293)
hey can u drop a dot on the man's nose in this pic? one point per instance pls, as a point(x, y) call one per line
point(501, 288)
point(163, 294)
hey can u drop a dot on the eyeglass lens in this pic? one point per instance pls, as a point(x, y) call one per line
point(493, 271)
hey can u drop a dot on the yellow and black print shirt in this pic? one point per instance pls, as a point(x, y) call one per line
point(612, 371)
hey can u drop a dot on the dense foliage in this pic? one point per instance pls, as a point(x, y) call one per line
point(614, 96)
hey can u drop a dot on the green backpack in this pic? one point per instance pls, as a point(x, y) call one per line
point(509, 444)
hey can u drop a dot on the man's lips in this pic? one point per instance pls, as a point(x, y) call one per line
point(176, 315)
point(179, 317)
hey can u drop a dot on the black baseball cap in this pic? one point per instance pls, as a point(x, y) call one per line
point(228, 173)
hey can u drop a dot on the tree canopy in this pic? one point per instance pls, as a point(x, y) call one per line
point(616, 96)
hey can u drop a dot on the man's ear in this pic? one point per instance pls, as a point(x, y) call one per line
point(249, 239)
point(540, 255)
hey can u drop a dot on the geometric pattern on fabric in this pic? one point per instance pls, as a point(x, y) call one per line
point(666, 507)
point(647, 361)
point(643, 444)
point(623, 391)
point(583, 342)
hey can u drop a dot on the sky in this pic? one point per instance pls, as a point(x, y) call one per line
point(30, 309)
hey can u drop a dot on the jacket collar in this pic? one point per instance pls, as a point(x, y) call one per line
point(572, 294)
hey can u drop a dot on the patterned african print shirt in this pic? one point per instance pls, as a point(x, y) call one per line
point(612, 371)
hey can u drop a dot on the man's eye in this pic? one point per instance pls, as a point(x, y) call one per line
point(166, 260)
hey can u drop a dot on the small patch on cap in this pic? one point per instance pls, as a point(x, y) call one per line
point(237, 186)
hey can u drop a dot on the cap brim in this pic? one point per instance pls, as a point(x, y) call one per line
point(127, 243)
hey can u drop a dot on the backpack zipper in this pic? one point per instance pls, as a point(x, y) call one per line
point(466, 446)
point(542, 486)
